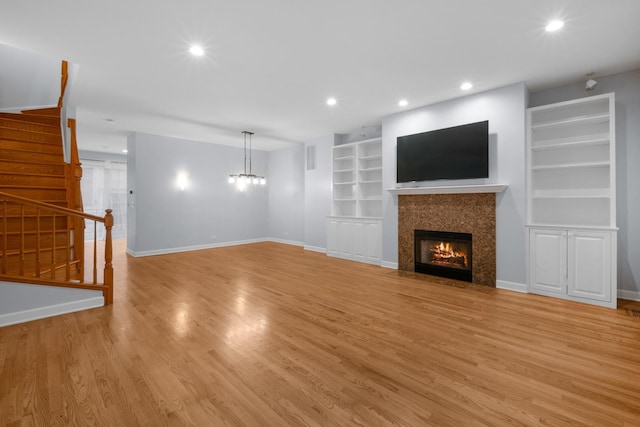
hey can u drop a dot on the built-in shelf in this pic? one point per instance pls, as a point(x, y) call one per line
point(449, 189)
point(571, 209)
point(563, 143)
point(357, 177)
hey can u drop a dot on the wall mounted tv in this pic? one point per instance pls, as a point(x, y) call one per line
point(460, 152)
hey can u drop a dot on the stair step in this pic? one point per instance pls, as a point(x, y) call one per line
point(15, 210)
point(50, 111)
point(59, 275)
point(14, 240)
point(30, 136)
point(31, 225)
point(9, 179)
point(36, 193)
point(24, 167)
point(29, 126)
point(13, 268)
point(31, 118)
point(31, 157)
point(31, 146)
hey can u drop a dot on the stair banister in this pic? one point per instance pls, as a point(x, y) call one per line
point(24, 276)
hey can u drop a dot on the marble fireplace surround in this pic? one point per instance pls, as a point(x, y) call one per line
point(466, 209)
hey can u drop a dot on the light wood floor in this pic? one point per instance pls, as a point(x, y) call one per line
point(269, 334)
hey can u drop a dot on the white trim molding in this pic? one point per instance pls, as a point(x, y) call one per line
point(449, 189)
point(315, 249)
point(193, 248)
point(630, 295)
point(388, 264)
point(50, 311)
point(511, 286)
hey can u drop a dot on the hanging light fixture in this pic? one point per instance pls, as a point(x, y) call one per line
point(245, 179)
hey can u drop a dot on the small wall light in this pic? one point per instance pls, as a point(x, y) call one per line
point(182, 180)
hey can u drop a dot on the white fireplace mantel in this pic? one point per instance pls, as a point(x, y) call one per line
point(449, 189)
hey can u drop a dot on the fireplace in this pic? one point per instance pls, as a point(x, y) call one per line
point(444, 254)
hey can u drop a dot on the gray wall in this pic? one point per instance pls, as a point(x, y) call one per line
point(627, 91)
point(28, 79)
point(505, 110)
point(17, 297)
point(317, 194)
point(286, 194)
point(210, 211)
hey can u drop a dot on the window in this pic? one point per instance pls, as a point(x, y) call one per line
point(104, 186)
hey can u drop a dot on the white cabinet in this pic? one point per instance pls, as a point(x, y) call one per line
point(573, 264)
point(356, 239)
point(571, 212)
point(590, 272)
point(354, 231)
point(548, 261)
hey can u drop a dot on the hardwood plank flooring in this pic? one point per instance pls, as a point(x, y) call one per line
point(272, 335)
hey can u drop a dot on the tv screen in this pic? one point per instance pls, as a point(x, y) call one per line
point(460, 152)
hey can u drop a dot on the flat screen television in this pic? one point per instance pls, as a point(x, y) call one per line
point(460, 152)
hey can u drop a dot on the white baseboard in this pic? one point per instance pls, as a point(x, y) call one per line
point(50, 311)
point(630, 295)
point(285, 242)
point(193, 248)
point(220, 245)
point(511, 286)
point(387, 264)
point(315, 249)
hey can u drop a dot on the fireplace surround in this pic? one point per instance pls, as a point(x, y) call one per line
point(473, 213)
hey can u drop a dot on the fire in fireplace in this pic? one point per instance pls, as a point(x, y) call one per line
point(445, 254)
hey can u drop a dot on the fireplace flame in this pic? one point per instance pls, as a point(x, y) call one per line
point(444, 253)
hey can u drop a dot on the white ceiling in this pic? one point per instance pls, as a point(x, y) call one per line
point(271, 64)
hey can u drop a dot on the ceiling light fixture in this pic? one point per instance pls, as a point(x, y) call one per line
point(554, 26)
point(403, 103)
point(125, 151)
point(332, 101)
point(196, 50)
point(242, 180)
point(466, 86)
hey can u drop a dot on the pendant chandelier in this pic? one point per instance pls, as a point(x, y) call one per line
point(244, 180)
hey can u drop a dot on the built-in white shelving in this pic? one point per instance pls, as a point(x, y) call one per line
point(357, 179)
point(571, 211)
point(354, 229)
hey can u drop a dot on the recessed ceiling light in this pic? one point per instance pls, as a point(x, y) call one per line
point(125, 151)
point(554, 26)
point(196, 50)
point(332, 101)
point(403, 103)
point(466, 86)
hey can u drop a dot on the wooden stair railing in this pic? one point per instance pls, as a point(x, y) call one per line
point(38, 246)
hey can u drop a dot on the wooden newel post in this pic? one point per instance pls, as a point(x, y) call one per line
point(108, 257)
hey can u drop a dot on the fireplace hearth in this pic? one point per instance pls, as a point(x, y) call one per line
point(444, 254)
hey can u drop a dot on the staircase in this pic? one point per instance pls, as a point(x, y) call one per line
point(42, 223)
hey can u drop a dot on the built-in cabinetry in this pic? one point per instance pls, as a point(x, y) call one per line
point(354, 230)
point(358, 239)
point(571, 200)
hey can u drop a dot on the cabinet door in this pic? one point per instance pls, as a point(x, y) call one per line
point(589, 274)
point(548, 261)
point(359, 240)
point(333, 237)
point(374, 238)
point(345, 230)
